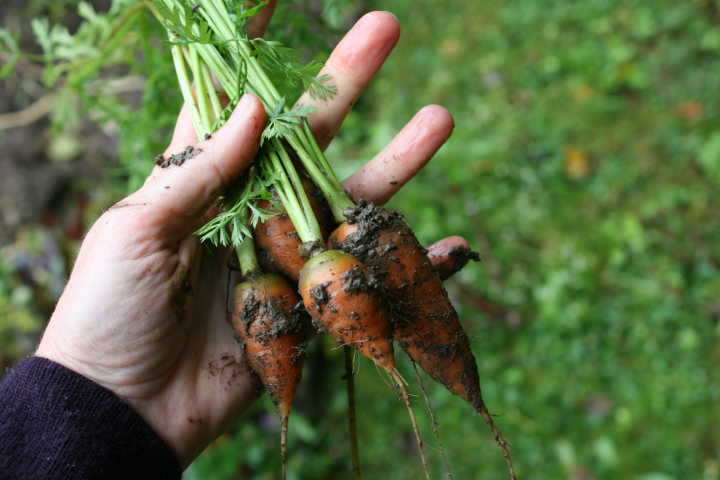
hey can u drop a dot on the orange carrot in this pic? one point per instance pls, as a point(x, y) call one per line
point(279, 247)
point(425, 323)
point(273, 332)
point(336, 292)
point(334, 286)
point(339, 295)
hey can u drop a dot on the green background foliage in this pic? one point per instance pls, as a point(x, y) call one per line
point(585, 169)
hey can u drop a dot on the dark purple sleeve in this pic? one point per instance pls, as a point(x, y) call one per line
point(57, 424)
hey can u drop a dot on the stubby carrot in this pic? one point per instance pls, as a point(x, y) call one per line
point(337, 293)
point(344, 301)
point(425, 323)
point(273, 331)
point(273, 328)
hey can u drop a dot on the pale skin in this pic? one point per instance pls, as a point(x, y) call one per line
point(144, 311)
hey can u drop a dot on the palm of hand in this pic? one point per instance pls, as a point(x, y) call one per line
point(145, 311)
point(147, 320)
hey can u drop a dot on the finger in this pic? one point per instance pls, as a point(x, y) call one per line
point(258, 24)
point(352, 64)
point(450, 255)
point(184, 133)
point(405, 155)
point(180, 194)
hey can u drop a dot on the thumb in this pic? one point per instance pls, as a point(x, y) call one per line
point(178, 195)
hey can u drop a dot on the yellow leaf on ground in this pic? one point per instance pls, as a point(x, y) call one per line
point(577, 165)
point(450, 47)
point(582, 92)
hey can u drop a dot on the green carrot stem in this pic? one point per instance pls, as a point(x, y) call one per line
point(304, 142)
point(293, 197)
point(325, 179)
point(212, 93)
point(220, 68)
point(238, 69)
point(201, 96)
point(297, 185)
point(246, 257)
point(217, 16)
point(219, 19)
point(185, 88)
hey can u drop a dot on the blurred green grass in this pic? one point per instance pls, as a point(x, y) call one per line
point(584, 167)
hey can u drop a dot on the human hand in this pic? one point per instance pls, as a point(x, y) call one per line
point(144, 311)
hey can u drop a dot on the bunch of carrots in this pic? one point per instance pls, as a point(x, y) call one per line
point(313, 261)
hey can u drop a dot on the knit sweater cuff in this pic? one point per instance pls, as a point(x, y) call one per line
point(57, 424)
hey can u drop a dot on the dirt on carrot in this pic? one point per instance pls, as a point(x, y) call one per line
point(273, 331)
point(356, 281)
point(458, 257)
point(425, 323)
point(356, 318)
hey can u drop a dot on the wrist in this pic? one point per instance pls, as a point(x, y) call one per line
point(186, 435)
point(181, 442)
point(150, 408)
point(185, 419)
point(81, 429)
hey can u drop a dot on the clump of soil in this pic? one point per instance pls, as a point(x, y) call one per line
point(177, 159)
point(280, 322)
point(355, 281)
point(460, 257)
point(320, 294)
point(370, 219)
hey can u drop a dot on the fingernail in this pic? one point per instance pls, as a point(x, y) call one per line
point(242, 107)
point(244, 102)
point(391, 13)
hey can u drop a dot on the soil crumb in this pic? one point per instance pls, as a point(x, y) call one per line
point(266, 321)
point(177, 158)
point(460, 257)
point(355, 281)
point(320, 294)
point(370, 219)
